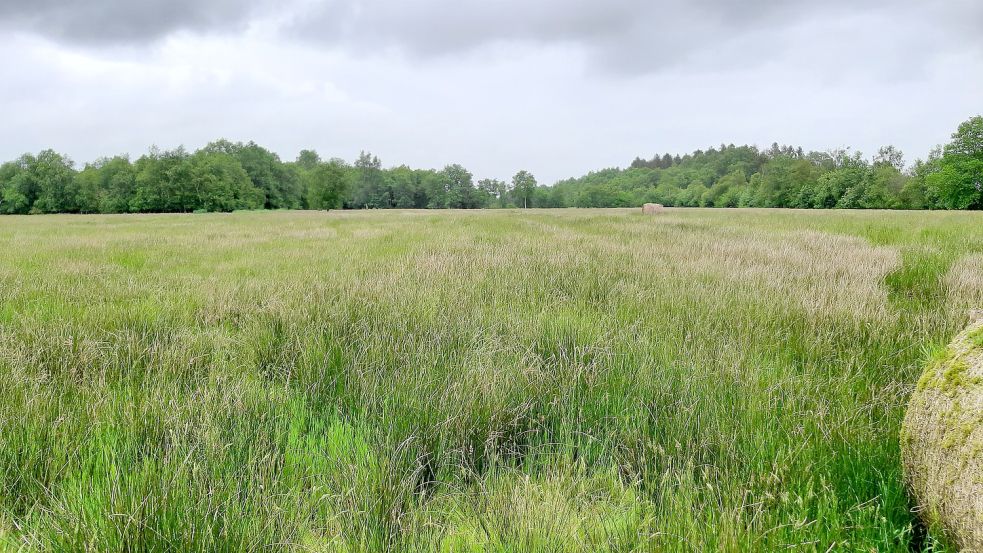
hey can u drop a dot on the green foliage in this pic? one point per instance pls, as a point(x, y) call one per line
point(459, 187)
point(106, 186)
point(782, 176)
point(39, 184)
point(162, 182)
point(496, 193)
point(221, 184)
point(958, 180)
point(728, 176)
point(52, 174)
point(523, 188)
point(326, 183)
point(15, 188)
point(276, 180)
point(371, 189)
point(786, 182)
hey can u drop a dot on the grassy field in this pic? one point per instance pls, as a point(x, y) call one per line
point(579, 380)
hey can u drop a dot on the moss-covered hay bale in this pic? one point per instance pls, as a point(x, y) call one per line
point(942, 441)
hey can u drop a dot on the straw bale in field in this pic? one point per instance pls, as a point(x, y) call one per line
point(942, 441)
point(652, 209)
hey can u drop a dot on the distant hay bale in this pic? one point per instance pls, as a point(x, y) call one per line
point(942, 440)
point(652, 209)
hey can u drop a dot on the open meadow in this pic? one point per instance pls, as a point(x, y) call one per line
point(506, 380)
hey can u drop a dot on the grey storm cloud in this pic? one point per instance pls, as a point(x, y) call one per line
point(654, 31)
point(651, 33)
point(121, 21)
point(619, 35)
point(435, 26)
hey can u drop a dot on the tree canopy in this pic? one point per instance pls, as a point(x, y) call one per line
point(227, 176)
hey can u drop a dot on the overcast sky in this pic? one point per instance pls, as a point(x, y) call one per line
point(558, 87)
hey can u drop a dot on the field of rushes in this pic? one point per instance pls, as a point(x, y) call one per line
point(569, 380)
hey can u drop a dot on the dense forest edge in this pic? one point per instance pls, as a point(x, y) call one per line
point(227, 176)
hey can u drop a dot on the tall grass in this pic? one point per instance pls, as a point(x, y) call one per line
point(487, 381)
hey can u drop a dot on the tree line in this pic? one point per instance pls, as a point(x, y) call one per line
point(227, 176)
point(784, 176)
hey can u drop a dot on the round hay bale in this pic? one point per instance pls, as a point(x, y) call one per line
point(652, 209)
point(942, 441)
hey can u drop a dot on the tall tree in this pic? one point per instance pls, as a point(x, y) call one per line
point(370, 188)
point(53, 178)
point(106, 186)
point(327, 185)
point(308, 159)
point(221, 184)
point(959, 181)
point(17, 189)
point(891, 156)
point(280, 185)
point(495, 191)
point(460, 189)
point(523, 187)
point(163, 182)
